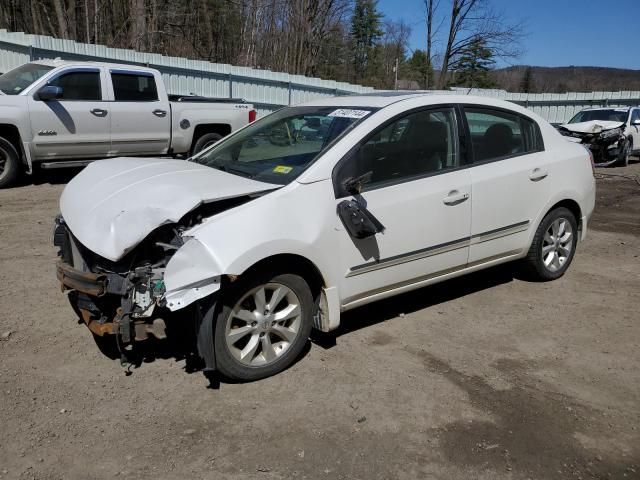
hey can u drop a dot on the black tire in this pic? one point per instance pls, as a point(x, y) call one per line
point(625, 153)
point(9, 164)
point(533, 264)
point(204, 141)
point(234, 369)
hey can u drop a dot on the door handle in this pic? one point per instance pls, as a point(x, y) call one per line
point(159, 113)
point(455, 197)
point(98, 112)
point(537, 174)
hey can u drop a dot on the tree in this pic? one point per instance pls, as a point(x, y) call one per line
point(365, 32)
point(431, 6)
point(419, 68)
point(527, 81)
point(473, 67)
point(473, 20)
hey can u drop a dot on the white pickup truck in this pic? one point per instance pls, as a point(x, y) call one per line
point(61, 113)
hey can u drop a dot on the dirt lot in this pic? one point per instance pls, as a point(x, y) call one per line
point(485, 377)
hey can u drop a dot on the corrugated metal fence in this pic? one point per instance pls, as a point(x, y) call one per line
point(265, 89)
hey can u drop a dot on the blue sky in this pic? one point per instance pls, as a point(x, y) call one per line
point(562, 32)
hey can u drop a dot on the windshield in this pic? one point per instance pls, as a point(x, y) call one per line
point(16, 80)
point(605, 115)
point(279, 147)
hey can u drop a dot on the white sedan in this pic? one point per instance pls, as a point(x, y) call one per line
point(312, 211)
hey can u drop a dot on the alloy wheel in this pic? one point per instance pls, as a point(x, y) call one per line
point(557, 244)
point(263, 324)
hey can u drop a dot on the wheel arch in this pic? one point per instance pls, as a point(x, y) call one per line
point(11, 133)
point(201, 129)
point(291, 263)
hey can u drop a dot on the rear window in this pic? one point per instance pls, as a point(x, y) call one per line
point(498, 134)
point(132, 87)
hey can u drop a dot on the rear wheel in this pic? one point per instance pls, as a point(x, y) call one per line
point(205, 141)
point(263, 325)
point(553, 246)
point(9, 163)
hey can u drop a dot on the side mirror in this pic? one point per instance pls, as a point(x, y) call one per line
point(49, 92)
point(359, 222)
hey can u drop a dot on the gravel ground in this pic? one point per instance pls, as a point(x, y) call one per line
point(484, 377)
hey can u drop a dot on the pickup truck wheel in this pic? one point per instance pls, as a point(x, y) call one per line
point(263, 325)
point(553, 246)
point(9, 163)
point(205, 141)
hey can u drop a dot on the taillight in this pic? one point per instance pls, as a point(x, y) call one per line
point(252, 115)
point(592, 160)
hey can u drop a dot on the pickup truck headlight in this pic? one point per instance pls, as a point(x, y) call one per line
point(614, 132)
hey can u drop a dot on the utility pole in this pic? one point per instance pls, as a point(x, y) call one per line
point(395, 69)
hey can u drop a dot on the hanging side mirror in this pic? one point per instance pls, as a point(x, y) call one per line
point(359, 222)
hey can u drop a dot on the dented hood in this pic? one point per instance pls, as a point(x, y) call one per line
point(593, 126)
point(112, 205)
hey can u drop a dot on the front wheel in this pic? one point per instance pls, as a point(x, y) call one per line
point(625, 153)
point(9, 163)
point(263, 325)
point(553, 246)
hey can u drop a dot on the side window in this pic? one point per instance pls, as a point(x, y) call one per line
point(635, 116)
point(496, 134)
point(131, 87)
point(79, 85)
point(418, 144)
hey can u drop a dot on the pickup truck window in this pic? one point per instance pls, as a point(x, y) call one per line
point(15, 81)
point(84, 85)
point(279, 147)
point(131, 87)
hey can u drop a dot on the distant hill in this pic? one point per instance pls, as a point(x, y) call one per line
point(566, 79)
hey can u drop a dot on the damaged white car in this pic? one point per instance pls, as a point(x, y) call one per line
point(312, 211)
point(611, 134)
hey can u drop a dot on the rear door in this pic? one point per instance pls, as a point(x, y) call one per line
point(140, 121)
point(76, 125)
point(510, 180)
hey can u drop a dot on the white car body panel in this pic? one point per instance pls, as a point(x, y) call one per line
point(113, 205)
point(593, 126)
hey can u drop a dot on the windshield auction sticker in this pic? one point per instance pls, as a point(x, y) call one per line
point(282, 169)
point(348, 113)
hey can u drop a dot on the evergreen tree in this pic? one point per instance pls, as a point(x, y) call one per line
point(366, 30)
point(527, 81)
point(473, 68)
point(420, 69)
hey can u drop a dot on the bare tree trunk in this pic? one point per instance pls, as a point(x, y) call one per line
point(139, 27)
point(63, 29)
point(429, 4)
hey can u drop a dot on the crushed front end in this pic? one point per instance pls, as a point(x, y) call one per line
point(605, 145)
point(125, 299)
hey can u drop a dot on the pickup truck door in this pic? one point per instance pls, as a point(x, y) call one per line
point(140, 121)
point(77, 125)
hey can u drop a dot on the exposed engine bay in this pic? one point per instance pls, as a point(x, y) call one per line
point(127, 298)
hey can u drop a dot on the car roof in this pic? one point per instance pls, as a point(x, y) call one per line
point(620, 109)
point(384, 99)
point(71, 63)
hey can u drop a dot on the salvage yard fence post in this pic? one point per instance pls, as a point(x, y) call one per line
point(268, 90)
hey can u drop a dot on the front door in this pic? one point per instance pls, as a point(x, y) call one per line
point(78, 124)
point(419, 190)
point(634, 128)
